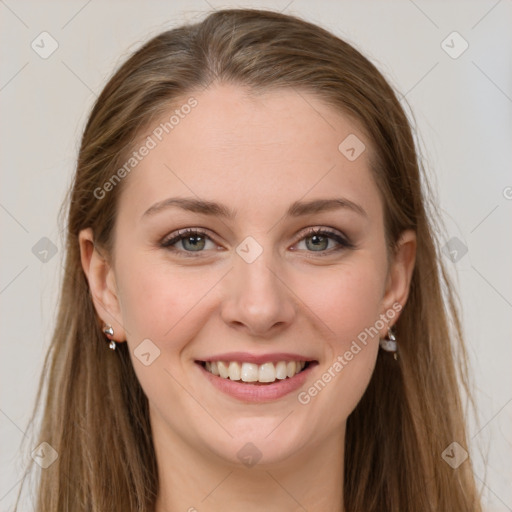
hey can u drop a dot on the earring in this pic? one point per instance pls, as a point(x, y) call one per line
point(109, 331)
point(389, 344)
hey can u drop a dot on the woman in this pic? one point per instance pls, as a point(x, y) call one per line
point(252, 314)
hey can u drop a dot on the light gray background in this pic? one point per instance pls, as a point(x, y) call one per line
point(463, 110)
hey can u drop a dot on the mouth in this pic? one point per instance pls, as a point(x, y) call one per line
point(256, 374)
point(252, 382)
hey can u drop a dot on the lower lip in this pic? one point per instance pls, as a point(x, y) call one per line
point(258, 392)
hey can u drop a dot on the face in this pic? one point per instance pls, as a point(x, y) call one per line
point(246, 236)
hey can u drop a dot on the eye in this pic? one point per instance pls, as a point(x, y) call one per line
point(324, 241)
point(188, 240)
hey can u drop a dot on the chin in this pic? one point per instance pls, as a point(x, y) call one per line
point(261, 444)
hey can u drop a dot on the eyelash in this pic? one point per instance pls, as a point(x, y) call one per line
point(343, 243)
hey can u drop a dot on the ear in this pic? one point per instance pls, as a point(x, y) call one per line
point(399, 277)
point(102, 284)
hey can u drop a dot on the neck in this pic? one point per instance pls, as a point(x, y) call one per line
point(191, 480)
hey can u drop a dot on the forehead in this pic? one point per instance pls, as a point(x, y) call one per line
point(251, 151)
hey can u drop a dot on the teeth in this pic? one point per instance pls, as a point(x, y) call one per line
point(291, 366)
point(223, 369)
point(267, 373)
point(281, 370)
point(250, 372)
point(234, 371)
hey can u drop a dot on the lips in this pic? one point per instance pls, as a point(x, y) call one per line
point(256, 378)
point(258, 358)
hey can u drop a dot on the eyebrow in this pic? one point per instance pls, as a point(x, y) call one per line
point(296, 209)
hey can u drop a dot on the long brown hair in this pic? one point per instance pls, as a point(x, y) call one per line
point(95, 413)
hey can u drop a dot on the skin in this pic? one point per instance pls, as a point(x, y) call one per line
point(256, 155)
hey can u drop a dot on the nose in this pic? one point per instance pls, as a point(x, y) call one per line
point(257, 299)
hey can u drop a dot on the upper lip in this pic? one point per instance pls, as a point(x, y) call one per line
point(246, 357)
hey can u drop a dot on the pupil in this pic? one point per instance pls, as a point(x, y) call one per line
point(196, 242)
point(319, 242)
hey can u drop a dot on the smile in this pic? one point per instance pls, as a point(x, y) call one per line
point(250, 372)
point(263, 379)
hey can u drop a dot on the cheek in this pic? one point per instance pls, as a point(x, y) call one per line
point(167, 305)
point(358, 306)
point(349, 304)
point(164, 302)
point(346, 299)
point(159, 300)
